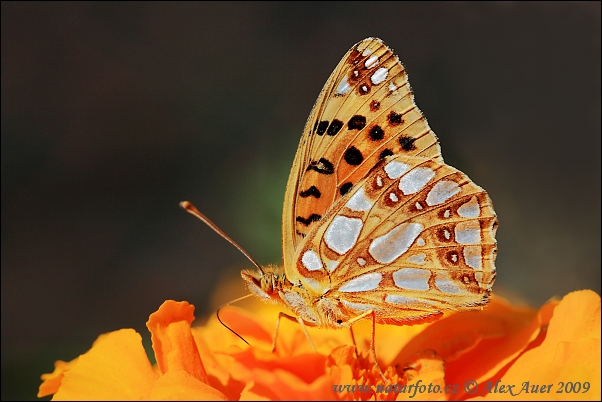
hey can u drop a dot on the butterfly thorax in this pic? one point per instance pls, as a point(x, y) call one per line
point(272, 285)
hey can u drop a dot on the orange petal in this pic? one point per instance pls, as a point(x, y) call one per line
point(249, 394)
point(453, 336)
point(570, 353)
point(244, 324)
point(277, 377)
point(390, 339)
point(52, 381)
point(172, 339)
point(179, 385)
point(306, 367)
point(426, 378)
point(287, 385)
point(116, 367)
point(489, 356)
point(219, 374)
point(234, 364)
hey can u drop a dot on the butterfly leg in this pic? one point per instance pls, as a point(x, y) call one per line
point(221, 322)
point(294, 319)
point(372, 343)
point(353, 339)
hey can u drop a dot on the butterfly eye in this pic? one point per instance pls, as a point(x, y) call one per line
point(266, 283)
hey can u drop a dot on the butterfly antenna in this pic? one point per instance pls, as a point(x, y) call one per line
point(191, 209)
point(221, 322)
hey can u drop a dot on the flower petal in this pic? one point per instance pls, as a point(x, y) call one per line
point(52, 381)
point(426, 376)
point(492, 354)
point(179, 385)
point(570, 352)
point(457, 335)
point(172, 339)
point(249, 394)
point(116, 367)
point(244, 324)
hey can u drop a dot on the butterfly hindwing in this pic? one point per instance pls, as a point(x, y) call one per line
point(413, 239)
point(365, 112)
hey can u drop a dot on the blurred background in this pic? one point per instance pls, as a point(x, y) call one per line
point(112, 113)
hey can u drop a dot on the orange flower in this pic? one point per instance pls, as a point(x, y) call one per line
point(501, 352)
point(117, 367)
point(459, 357)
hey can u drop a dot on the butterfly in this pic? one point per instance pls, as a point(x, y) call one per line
point(375, 224)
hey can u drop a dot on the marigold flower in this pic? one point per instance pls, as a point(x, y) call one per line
point(501, 352)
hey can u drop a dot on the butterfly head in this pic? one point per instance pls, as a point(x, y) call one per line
point(265, 283)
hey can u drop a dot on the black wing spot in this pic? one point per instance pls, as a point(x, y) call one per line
point(313, 190)
point(453, 258)
point(357, 122)
point(407, 143)
point(323, 166)
point(444, 235)
point(386, 152)
point(353, 156)
point(312, 218)
point(364, 89)
point(395, 118)
point(376, 133)
point(468, 278)
point(322, 126)
point(345, 188)
point(335, 127)
point(374, 105)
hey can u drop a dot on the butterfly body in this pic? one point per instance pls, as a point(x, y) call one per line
point(374, 221)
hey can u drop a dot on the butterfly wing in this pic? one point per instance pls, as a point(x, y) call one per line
point(413, 239)
point(365, 112)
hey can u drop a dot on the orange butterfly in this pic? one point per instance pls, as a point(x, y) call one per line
point(375, 224)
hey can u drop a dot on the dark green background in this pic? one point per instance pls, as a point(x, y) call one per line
point(112, 113)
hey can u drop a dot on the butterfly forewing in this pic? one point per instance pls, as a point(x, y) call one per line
point(365, 112)
point(413, 239)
